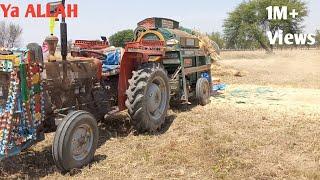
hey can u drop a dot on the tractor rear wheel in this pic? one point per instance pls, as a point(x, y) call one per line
point(203, 91)
point(75, 141)
point(148, 98)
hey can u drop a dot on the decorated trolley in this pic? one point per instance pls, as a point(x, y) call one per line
point(21, 101)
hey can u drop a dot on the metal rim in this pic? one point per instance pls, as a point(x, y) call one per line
point(82, 142)
point(157, 98)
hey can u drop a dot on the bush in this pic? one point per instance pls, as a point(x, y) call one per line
point(120, 38)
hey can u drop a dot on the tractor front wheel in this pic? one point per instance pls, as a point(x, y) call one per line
point(75, 141)
point(148, 98)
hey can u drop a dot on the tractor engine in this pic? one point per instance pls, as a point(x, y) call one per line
point(75, 89)
point(82, 83)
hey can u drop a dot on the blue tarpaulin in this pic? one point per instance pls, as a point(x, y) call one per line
point(219, 87)
point(112, 60)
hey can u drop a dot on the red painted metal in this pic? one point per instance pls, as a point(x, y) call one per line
point(135, 54)
point(126, 68)
point(154, 23)
point(85, 44)
point(85, 48)
point(147, 47)
point(148, 23)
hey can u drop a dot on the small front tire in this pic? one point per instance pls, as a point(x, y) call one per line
point(203, 91)
point(75, 141)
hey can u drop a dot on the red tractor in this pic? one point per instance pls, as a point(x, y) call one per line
point(69, 95)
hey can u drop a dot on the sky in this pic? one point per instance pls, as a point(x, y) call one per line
point(105, 17)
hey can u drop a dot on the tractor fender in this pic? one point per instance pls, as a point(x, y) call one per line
point(130, 61)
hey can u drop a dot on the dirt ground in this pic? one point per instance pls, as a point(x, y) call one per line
point(266, 125)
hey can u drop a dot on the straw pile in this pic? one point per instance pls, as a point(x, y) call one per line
point(210, 47)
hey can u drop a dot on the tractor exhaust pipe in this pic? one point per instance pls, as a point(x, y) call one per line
point(64, 44)
point(64, 40)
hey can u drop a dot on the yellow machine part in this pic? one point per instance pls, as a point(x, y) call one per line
point(154, 58)
point(160, 37)
point(15, 59)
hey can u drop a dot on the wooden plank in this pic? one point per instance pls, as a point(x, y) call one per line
point(197, 69)
point(192, 52)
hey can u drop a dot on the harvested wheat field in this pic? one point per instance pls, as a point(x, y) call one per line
point(265, 126)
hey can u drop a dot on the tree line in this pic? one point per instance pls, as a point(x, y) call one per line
point(224, 43)
point(246, 26)
point(10, 34)
point(120, 38)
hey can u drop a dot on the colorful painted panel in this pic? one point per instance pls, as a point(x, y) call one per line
point(22, 107)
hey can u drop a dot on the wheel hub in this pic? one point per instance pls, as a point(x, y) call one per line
point(82, 142)
point(154, 97)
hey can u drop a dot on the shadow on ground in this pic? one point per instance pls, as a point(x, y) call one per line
point(178, 107)
point(33, 165)
point(38, 164)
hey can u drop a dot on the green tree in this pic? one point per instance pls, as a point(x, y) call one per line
point(318, 37)
point(247, 25)
point(217, 38)
point(120, 38)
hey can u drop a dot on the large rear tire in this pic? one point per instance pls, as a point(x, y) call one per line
point(148, 98)
point(75, 141)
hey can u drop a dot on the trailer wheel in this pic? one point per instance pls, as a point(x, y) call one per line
point(75, 141)
point(203, 91)
point(148, 98)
